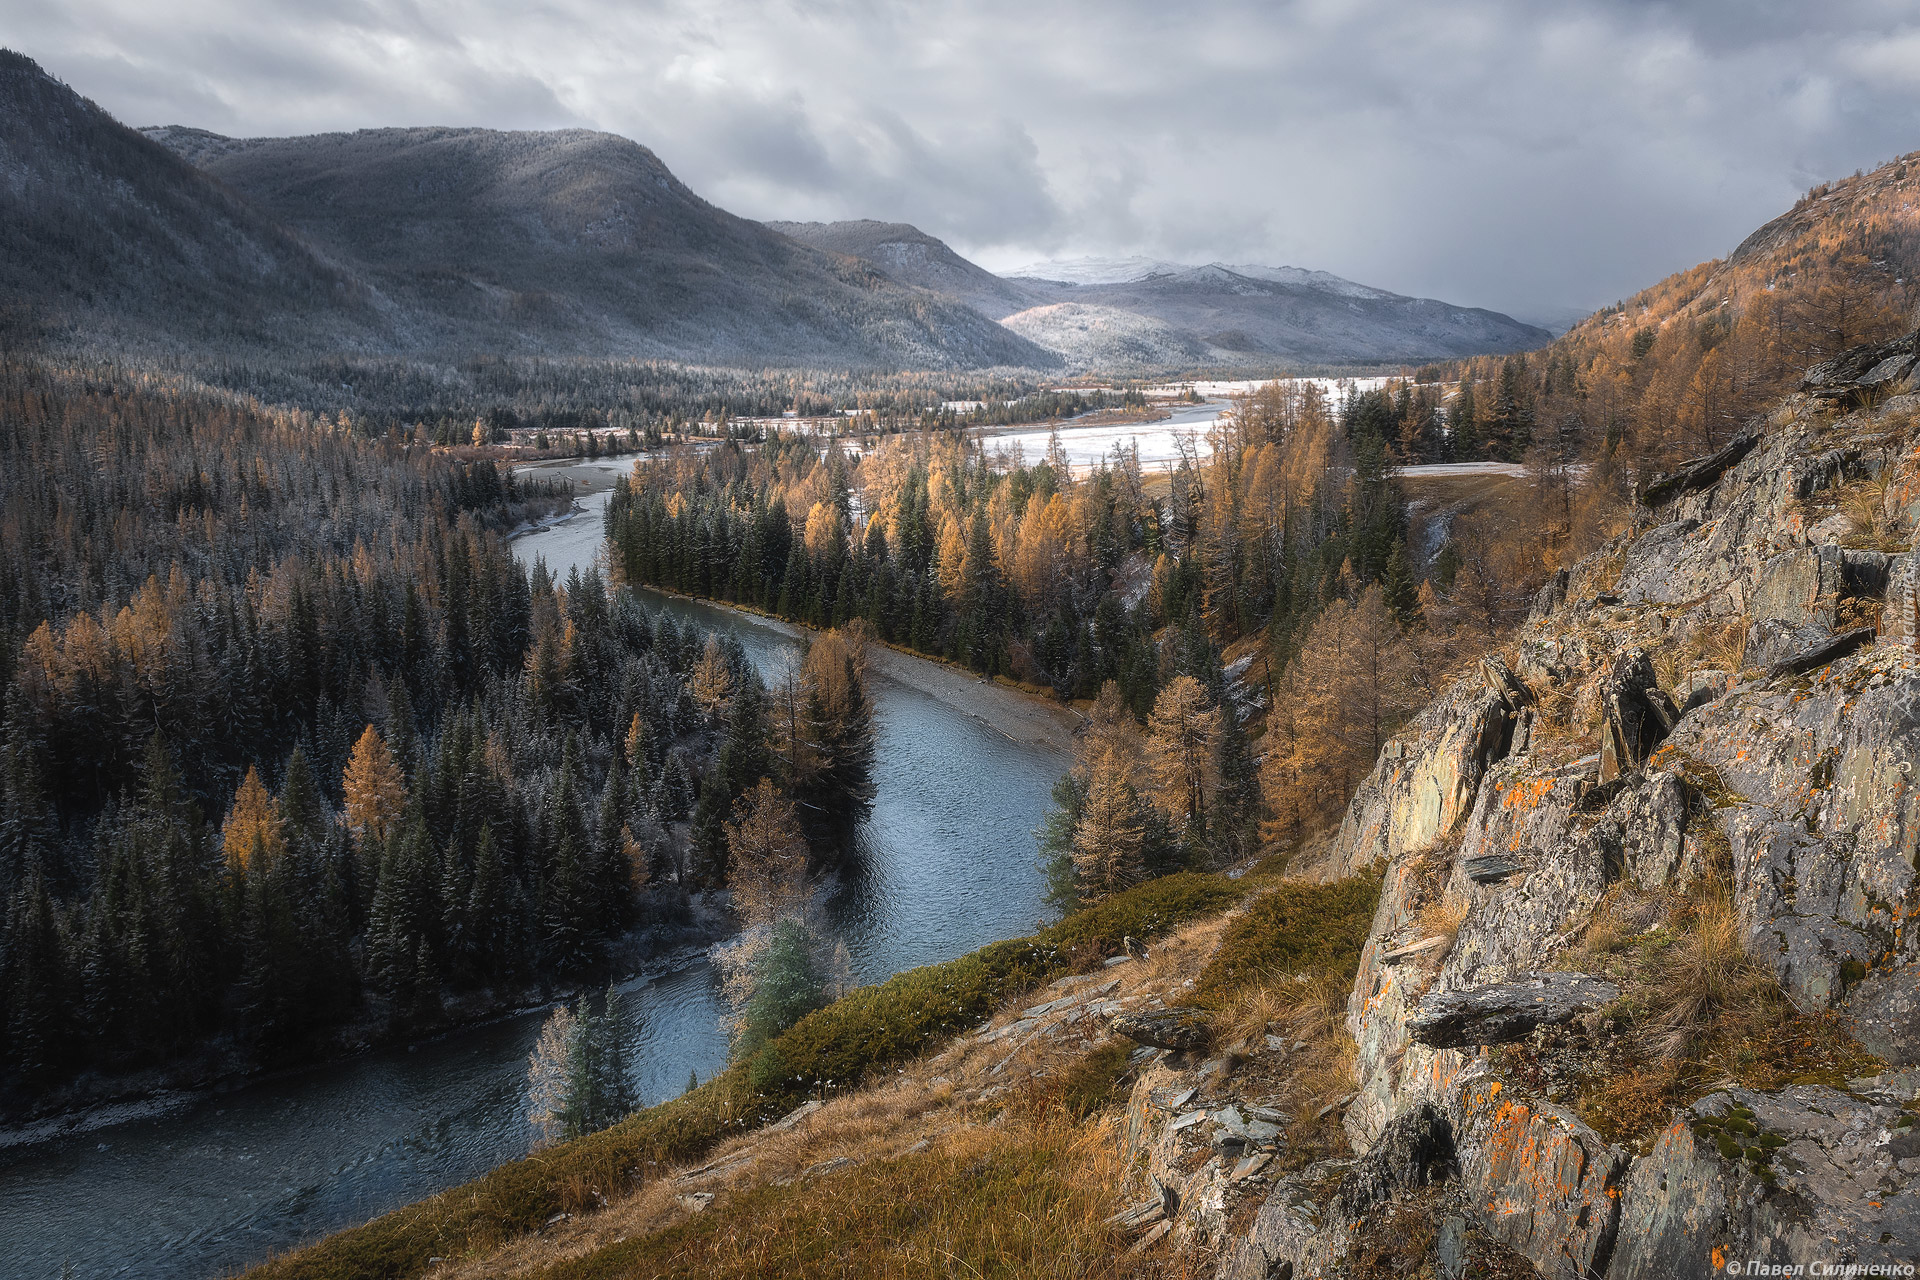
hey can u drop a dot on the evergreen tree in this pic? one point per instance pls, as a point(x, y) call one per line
point(571, 940)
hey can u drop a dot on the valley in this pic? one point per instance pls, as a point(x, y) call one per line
point(575, 707)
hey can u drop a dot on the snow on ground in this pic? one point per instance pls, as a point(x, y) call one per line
point(1086, 447)
point(1333, 388)
point(1442, 469)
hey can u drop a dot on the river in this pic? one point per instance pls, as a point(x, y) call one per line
point(214, 1181)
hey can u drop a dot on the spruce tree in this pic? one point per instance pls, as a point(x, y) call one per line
point(571, 940)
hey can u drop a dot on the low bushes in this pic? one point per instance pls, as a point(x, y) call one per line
point(1298, 928)
point(831, 1047)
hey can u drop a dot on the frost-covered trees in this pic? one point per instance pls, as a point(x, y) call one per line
point(579, 1076)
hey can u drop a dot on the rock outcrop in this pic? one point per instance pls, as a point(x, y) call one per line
point(1723, 703)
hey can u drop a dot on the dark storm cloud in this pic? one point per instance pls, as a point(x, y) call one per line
point(1509, 154)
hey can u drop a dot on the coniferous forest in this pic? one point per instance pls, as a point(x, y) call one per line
point(291, 741)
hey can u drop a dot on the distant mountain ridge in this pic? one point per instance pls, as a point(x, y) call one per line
point(913, 257)
point(114, 243)
point(446, 243)
point(438, 243)
point(1083, 271)
point(1149, 314)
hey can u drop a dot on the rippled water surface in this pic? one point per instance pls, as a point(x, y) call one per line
point(220, 1181)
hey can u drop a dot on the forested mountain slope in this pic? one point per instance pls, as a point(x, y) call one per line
point(114, 244)
point(440, 243)
point(581, 242)
point(1680, 367)
point(293, 751)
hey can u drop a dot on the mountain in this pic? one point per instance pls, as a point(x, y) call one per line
point(115, 243)
point(1251, 315)
point(585, 243)
point(913, 257)
point(439, 243)
point(1145, 313)
point(1133, 270)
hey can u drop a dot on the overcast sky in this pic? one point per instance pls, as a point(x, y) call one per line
point(1528, 157)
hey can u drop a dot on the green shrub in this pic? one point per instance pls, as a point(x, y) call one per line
point(829, 1048)
point(1088, 1085)
point(1297, 928)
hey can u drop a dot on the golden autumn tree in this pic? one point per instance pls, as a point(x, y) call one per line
point(768, 855)
point(252, 835)
point(711, 680)
point(1109, 838)
point(1348, 690)
point(1183, 744)
point(376, 790)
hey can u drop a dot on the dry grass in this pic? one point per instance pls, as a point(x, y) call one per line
point(1701, 979)
point(1864, 503)
point(1309, 1009)
point(1018, 1201)
point(1697, 1013)
point(984, 1158)
point(1440, 919)
point(1037, 1115)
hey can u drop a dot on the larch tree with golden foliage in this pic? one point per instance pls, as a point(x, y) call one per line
point(1108, 842)
point(1183, 742)
point(252, 835)
point(1349, 689)
point(767, 852)
point(375, 789)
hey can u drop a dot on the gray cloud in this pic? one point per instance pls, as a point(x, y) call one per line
point(1493, 152)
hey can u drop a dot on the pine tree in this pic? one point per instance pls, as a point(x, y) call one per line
point(490, 942)
point(620, 865)
point(34, 979)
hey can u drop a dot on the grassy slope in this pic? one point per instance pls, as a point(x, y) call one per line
point(832, 1048)
point(1026, 1192)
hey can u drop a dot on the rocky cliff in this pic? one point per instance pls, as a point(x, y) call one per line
point(1642, 993)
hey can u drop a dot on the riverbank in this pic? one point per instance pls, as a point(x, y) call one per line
point(1021, 713)
point(873, 1030)
point(102, 1101)
point(1015, 711)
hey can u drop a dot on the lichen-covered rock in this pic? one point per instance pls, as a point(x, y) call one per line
point(1416, 1150)
point(1426, 781)
point(1177, 1029)
point(1545, 1184)
point(1807, 1173)
point(1673, 1212)
point(1823, 820)
point(1666, 753)
point(1858, 370)
point(1297, 1234)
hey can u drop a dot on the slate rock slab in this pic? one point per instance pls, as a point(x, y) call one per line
point(1177, 1029)
point(1507, 1011)
point(1493, 868)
